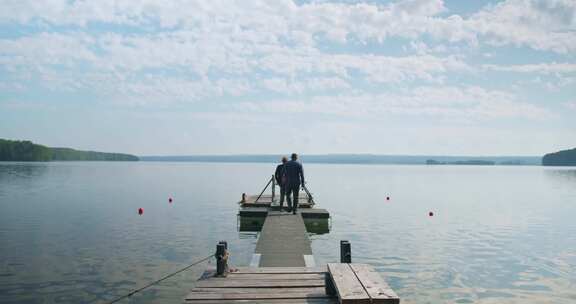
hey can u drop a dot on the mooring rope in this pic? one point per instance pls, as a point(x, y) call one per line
point(159, 280)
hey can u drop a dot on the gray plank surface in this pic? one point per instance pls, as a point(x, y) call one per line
point(233, 283)
point(375, 286)
point(283, 241)
point(242, 270)
point(270, 301)
point(263, 285)
point(348, 287)
point(258, 294)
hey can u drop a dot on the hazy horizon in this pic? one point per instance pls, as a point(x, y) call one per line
point(406, 77)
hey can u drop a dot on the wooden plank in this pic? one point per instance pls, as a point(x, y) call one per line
point(246, 270)
point(347, 286)
point(258, 283)
point(256, 290)
point(264, 294)
point(375, 286)
point(276, 276)
point(270, 301)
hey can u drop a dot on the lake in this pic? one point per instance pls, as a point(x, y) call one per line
point(70, 231)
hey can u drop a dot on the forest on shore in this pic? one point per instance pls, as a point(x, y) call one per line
point(560, 158)
point(24, 150)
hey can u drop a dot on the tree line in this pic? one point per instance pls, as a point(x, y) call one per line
point(24, 150)
point(560, 158)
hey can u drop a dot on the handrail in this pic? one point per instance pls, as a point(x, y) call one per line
point(310, 198)
point(268, 184)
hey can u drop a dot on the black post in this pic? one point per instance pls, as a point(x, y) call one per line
point(345, 252)
point(221, 259)
point(329, 284)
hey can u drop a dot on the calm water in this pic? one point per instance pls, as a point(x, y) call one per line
point(70, 232)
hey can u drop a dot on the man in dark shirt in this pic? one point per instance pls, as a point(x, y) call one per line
point(294, 174)
point(281, 180)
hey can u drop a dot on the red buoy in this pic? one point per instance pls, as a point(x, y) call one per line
point(140, 211)
point(430, 213)
point(170, 200)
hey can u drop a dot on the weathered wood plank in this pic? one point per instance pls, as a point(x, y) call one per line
point(276, 276)
point(270, 301)
point(260, 290)
point(259, 283)
point(347, 286)
point(375, 286)
point(265, 294)
point(250, 270)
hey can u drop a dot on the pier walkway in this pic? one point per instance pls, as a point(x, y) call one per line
point(283, 270)
point(283, 242)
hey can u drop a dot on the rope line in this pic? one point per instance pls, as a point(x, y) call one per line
point(159, 280)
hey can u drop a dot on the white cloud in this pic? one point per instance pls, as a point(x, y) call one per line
point(539, 24)
point(208, 49)
point(461, 103)
point(543, 68)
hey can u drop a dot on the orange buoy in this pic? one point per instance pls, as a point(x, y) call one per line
point(140, 211)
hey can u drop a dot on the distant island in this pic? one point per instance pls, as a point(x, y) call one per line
point(560, 158)
point(15, 150)
point(353, 159)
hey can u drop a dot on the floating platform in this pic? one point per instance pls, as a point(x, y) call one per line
point(253, 213)
point(269, 201)
point(316, 213)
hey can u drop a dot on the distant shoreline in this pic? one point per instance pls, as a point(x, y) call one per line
point(358, 159)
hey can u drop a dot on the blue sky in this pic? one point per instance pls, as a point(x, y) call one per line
point(219, 77)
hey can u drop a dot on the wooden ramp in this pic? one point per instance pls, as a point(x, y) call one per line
point(283, 242)
point(263, 285)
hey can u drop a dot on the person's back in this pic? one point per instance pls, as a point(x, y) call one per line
point(281, 180)
point(293, 173)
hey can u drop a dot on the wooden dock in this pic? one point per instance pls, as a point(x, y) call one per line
point(283, 269)
point(347, 284)
point(263, 285)
point(283, 242)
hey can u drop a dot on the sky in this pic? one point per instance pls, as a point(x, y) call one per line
point(176, 77)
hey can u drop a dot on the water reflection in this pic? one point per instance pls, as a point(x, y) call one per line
point(563, 174)
point(69, 232)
